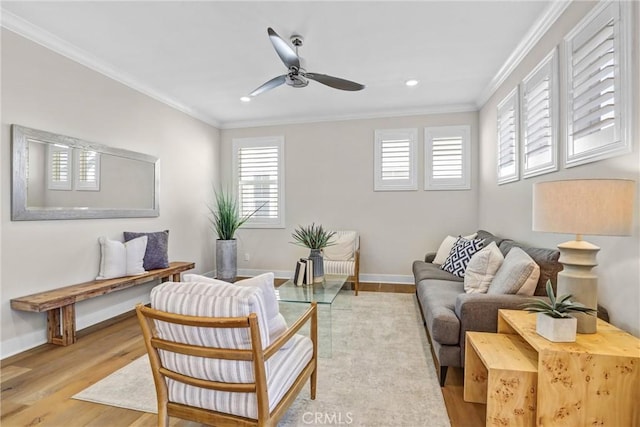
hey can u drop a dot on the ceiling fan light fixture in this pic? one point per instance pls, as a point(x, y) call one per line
point(411, 82)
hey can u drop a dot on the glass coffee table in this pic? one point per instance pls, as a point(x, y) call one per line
point(294, 299)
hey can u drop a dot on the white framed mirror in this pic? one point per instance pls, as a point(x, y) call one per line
point(61, 177)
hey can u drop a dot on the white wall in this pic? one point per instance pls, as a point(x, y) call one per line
point(329, 180)
point(506, 209)
point(43, 90)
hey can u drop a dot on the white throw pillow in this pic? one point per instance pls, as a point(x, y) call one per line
point(121, 259)
point(277, 324)
point(342, 248)
point(518, 274)
point(482, 268)
point(446, 246)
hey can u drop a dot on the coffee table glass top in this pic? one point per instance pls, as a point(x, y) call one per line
point(322, 293)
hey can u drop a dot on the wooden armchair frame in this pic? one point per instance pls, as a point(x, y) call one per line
point(256, 354)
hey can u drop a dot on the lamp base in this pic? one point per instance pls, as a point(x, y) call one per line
point(578, 279)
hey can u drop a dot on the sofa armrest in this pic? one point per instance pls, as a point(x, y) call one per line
point(479, 312)
point(429, 257)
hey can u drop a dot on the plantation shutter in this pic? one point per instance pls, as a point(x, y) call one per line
point(446, 158)
point(596, 73)
point(395, 159)
point(539, 109)
point(88, 170)
point(508, 139)
point(59, 167)
point(259, 171)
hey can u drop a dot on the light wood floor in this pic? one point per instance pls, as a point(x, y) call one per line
point(37, 385)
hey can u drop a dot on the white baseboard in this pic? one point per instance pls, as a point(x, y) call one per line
point(364, 278)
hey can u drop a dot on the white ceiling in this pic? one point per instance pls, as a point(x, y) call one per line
point(201, 57)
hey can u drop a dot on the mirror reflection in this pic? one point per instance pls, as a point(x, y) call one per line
point(59, 177)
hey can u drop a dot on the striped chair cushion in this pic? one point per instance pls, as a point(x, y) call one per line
point(276, 323)
point(282, 370)
point(343, 247)
point(339, 267)
point(209, 300)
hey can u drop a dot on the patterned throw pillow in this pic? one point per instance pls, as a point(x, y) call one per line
point(460, 255)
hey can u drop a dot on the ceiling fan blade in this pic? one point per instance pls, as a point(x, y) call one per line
point(273, 83)
point(284, 51)
point(335, 82)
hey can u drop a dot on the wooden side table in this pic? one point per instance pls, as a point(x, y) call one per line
point(593, 381)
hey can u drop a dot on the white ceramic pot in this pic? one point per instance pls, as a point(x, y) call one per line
point(556, 330)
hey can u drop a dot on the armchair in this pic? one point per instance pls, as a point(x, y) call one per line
point(213, 361)
point(343, 257)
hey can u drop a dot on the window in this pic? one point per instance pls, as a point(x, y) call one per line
point(539, 97)
point(598, 61)
point(59, 167)
point(508, 138)
point(258, 168)
point(87, 170)
point(395, 160)
point(446, 153)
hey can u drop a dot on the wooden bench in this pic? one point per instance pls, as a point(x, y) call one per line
point(60, 303)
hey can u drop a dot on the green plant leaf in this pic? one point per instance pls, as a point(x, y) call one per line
point(312, 236)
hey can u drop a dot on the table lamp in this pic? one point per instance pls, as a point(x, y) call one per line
point(583, 207)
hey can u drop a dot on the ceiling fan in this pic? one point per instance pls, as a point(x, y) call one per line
point(297, 76)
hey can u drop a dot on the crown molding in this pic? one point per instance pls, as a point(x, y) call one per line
point(444, 109)
point(36, 34)
point(531, 38)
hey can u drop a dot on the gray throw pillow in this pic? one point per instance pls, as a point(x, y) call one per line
point(518, 274)
point(157, 253)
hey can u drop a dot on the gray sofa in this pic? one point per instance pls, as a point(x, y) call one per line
point(449, 312)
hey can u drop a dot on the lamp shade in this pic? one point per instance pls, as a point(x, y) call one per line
point(584, 206)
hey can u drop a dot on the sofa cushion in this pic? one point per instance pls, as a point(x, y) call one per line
point(460, 255)
point(438, 300)
point(482, 268)
point(488, 238)
point(425, 270)
point(547, 260)
point(518, 274)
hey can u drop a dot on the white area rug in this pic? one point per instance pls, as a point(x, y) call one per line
point(380, 372)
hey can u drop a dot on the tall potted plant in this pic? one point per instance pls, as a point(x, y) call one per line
point(226, 219)
point(316, 238)
point(554, 321)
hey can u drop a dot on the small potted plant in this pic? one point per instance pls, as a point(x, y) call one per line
point(554, 320)
point(316, 238)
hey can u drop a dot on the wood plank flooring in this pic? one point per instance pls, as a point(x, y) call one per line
point(37, 385)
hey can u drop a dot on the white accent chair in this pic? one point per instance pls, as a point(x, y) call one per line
point(213, 360)
point(344, 257)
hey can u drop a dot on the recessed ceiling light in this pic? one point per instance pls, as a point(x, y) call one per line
point(245, 99)
point(412, 82)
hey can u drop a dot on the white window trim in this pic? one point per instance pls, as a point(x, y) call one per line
point(463, 183)
point(622, 141)
point(548, 64)
point(54, 184)
point(410, 184)
point(278, 141)
point(512, 97)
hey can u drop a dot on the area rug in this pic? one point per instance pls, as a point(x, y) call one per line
point(380, 372)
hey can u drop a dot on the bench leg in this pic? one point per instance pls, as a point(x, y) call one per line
point(61, 325)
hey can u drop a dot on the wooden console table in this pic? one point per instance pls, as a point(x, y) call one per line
point(60, 303)
point(593, 381)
